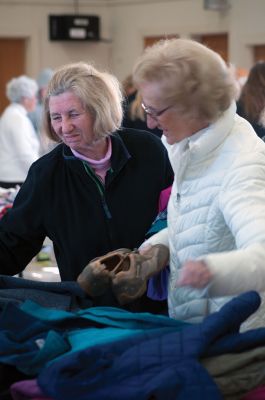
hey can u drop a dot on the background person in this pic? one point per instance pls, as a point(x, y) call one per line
point(128, 86)
point(251, 103)
point(36, 116)
point(134, 116)
point(19, 146)
point(42, 80)
point(216, 211)
point(97, 191)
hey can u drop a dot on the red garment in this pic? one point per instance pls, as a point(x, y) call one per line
point(27, 390)
point(255, 394)
point(163, 199)
point(5, 209)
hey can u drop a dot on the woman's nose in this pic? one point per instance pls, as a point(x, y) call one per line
point(67, 125)
point(151, 122)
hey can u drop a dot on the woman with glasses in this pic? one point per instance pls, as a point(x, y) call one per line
point(97, 190)
point(216, 211)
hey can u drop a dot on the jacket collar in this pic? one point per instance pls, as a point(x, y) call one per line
point(119, 157)
point(204, 141)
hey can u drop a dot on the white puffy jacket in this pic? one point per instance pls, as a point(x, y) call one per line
point(216, 212)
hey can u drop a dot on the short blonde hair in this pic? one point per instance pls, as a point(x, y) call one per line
point(190, 75)
point(99, 92)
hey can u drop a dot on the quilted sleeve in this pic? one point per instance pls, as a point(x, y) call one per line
point(242, 202)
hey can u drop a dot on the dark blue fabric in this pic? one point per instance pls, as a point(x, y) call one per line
point(128, 378)
point(22, 340)
point(59, 295)
point(31, 336)
point(165, 366)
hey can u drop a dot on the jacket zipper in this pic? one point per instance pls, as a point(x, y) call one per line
point(100, 188)
point(179, 176)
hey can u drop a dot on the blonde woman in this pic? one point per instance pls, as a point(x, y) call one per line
point(97, 190)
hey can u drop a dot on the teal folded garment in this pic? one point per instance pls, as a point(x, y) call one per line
point(33, 336)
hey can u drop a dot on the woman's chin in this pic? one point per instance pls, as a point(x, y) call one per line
point(170, 139)
point(73, 142)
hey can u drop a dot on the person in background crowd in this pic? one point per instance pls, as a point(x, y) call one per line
point(134, 116)
point(216, 210)
point(97, 190)
point(19, 146)
point(251, 103)
point(128, 86)
point(36, 116)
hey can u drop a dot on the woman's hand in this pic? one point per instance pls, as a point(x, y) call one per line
point(195, 274)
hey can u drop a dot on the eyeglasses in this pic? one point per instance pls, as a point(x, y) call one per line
point(153, 113)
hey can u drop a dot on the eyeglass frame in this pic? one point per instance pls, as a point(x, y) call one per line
point(154, 114)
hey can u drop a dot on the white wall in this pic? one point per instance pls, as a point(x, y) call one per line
point(29, 19)
point(244, 22)
point(132, 22)
point(126, 22)
point(246, 28)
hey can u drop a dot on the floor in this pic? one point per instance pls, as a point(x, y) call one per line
point(43, 270)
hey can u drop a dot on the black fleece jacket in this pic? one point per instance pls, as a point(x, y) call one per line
point(63, 199)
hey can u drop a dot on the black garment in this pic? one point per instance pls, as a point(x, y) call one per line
point(8, 185)
point(64, 200)
point(9, 374)
point(259, 129)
